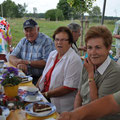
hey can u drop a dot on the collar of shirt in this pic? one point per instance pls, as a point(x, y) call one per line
point(37, 40)
point(64, 56)
point(101, 69)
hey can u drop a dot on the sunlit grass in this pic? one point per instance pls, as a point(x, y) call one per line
point(47, 27)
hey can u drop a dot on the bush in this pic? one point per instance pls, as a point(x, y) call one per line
point(54, 14)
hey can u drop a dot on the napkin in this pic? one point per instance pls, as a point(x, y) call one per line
point(50, 117)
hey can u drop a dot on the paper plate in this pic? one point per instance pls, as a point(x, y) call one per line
point(31, 98)
point(29, 110)
point(5, 111)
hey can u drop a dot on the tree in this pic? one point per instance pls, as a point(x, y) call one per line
point(34, 11)
point(21, 10)
point(10, 9)
point(59, 15)
point(81, 6)
point(54, 14)
point(66, 9)
point(95, 13)
point(50, 15)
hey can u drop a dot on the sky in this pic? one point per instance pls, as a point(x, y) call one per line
point(112, 6)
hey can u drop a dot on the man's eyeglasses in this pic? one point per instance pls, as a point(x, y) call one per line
point(61, 40)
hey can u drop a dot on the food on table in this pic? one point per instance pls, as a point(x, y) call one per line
point(40, 107)
point(24, 79)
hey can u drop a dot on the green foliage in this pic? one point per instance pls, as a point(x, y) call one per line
point(21, 11)
point(59, 15)
point(95, 11)
point(66, 9)
point(95, 14)
point(54, 14)
point(50, 15)
point(81, 6)
point(10, 9)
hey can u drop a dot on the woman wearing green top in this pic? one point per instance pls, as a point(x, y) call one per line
point(100, 75)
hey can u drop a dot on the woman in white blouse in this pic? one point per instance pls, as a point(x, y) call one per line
point(62, 72)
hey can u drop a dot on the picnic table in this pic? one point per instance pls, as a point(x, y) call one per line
point(20, 114)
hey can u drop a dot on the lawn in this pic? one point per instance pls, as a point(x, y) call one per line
point(47, 27)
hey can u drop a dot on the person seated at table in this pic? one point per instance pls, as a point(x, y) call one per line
point(5, 39)
point(32, 51)
point(62, 72)
point(76, 32)
point(100, 75)
point(107, 105)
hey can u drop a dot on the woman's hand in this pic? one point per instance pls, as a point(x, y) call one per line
point(89, 67)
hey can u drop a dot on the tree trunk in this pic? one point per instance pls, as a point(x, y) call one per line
point(82, 34)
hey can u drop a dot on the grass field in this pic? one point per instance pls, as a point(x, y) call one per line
point(47, 27)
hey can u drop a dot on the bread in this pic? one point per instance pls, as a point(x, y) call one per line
point(41, 107)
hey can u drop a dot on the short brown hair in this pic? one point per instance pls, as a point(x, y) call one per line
point(99, 32)
point(66, 30)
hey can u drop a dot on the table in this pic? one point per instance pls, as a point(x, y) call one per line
point(19, 114)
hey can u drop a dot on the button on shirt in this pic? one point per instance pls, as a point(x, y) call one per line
point(39, 50)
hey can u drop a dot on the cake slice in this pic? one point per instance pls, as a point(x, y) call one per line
point(41, 107)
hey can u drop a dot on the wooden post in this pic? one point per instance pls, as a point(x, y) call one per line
point(86, 24)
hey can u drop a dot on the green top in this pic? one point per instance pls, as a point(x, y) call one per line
point(117, 97)
point(107, 83)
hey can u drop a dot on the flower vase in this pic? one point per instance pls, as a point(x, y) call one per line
point(11, 91)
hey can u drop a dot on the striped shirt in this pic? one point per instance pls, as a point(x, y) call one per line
point(39, 50)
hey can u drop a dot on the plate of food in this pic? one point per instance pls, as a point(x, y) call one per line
point(40, 109)
point(31, 97)
point(26, 79)
point(4, 111)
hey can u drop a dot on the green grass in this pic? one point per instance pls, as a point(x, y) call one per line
point(47, 27)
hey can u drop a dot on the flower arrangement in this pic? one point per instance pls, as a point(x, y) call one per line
point(10, 77)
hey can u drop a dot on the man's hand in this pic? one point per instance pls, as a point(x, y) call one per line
point(22, 67)
point(116, 36)
point(23, 62)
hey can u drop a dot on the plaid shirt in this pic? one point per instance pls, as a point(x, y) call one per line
point(39, 50)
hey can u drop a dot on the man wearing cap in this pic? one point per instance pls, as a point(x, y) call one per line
point(32, 51)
